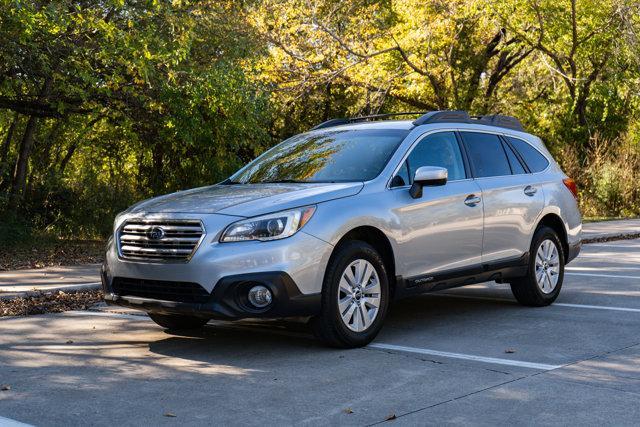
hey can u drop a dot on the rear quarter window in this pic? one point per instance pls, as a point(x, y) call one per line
point(532, 157)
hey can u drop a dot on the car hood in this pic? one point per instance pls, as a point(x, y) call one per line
point(246, 199)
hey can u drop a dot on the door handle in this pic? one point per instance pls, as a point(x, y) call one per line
point(530, 191)
point(472, 200)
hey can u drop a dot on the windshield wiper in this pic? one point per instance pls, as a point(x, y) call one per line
point(229, 182)
point(283, 181)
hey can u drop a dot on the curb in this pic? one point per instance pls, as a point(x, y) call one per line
point(610, 237)
point(4, 295)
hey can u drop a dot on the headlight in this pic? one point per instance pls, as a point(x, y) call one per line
point(269, 227)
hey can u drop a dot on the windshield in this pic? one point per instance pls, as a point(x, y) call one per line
point(329, 156)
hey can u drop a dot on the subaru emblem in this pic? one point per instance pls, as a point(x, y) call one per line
point(156, 233)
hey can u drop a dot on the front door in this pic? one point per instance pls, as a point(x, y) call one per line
point(442, 230)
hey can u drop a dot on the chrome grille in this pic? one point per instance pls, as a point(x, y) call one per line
point(161, 240)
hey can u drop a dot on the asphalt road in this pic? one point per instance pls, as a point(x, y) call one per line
point(464, 356)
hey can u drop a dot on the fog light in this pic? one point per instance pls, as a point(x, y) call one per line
point(260, 296)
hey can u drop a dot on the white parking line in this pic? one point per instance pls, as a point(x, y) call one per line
point(613, 268)
point(492, 360)
point(597, 307)
point(555, 304)
point(614, 276)
point(8, 422)
point(608, 256)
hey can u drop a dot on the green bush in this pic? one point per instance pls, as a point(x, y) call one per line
point(607, 177)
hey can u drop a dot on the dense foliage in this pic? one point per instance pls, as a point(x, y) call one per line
point(104, 102)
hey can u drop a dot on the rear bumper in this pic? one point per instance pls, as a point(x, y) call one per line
point(574, 251)
point(228, 299)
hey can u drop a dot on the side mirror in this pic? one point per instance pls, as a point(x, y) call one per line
point(429, 176)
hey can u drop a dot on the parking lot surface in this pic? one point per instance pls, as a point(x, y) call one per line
point(464, 356)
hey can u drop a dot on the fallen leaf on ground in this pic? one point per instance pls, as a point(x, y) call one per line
point(49, 302)
point(348, 411)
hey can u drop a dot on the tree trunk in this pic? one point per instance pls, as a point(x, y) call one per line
point(157, 172)
point(73, 146)
point(4, 154)
point(326, 113)
point(20, 174)
point(67, 157)
point(5, 176)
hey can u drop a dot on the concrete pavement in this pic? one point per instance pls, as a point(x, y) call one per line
point(464, 356)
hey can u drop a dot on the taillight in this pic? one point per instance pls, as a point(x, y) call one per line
point(571, 185)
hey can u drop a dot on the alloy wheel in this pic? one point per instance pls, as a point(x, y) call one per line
point(359, 295)
point(547, 266)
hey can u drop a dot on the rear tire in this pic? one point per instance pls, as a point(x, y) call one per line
point(355, 297)
point(543, 281)
point(178, 322)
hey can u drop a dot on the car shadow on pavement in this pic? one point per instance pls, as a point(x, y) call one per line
point(222, 340)
point(252, 339)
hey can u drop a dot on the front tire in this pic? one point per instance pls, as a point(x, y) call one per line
point(543, 281)
point(355, 297)
point(178, 322)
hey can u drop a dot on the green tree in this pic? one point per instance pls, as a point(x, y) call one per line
point(158, 94)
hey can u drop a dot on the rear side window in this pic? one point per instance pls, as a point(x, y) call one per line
point(516, 165)
point(532, 157)
point(486, 153)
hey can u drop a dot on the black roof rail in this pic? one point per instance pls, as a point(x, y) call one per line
point(501, 121)
point(443, 116)
point(345, 121)
point(331, 123)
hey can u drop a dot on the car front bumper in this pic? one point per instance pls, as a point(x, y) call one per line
point(292, 268)
point(228, 299)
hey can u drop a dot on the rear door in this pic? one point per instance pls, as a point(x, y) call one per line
point(512, 198)
point(442, 230)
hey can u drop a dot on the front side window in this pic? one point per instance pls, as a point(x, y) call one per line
point(325, 156)
point(438, 149)
point(486, 153)
point(532, 157)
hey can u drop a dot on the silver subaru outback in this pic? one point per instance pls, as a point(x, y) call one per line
point(335, 223)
